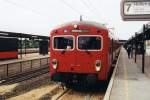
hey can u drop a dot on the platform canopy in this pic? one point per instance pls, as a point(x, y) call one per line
point(135, 10)
point(22, 35)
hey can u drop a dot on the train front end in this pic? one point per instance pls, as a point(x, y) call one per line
point(79, 53)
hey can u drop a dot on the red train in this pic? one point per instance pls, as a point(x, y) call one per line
point(81, 52)
point(8, 48)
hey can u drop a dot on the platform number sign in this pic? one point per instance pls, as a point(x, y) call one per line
point(127, 7)
point(135, 10)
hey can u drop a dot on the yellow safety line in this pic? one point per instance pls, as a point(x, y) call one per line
point(125, 79)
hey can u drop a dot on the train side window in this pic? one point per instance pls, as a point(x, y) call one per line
point(89, 43)
point(63, 42)
point(8, 44)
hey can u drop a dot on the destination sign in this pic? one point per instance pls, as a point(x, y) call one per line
point(79, 31)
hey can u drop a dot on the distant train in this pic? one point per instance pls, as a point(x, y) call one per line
point(81, 52)
point(8, 48)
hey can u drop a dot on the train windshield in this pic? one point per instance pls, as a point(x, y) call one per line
point(89, 42)
point(63, 42)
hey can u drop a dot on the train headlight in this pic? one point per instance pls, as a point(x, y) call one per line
point(98, 65)
point(54, 63)
point(75, 26)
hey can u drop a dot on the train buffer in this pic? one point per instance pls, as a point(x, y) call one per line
point(129, 83)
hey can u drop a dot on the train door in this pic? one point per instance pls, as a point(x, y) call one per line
point(88, 52)
point(63, 52)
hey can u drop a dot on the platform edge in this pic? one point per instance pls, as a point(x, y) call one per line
point(109, 89)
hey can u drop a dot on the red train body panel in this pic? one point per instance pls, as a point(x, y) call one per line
point(9, 54)
point(86, 55)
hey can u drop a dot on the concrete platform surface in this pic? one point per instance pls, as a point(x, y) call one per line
point(129, 82)
point(25, 57)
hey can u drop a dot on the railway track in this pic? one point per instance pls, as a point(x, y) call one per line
point(60, 94)
point(71, 94)
point(24, 76)
point(55, 91)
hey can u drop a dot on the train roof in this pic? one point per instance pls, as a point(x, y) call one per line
point(90, 23)
point(98, 25)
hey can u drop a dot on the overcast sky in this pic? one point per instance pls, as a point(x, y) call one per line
point(41, 16)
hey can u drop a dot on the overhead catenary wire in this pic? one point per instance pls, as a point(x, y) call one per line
point(74, 9)
point(87, 6)
point(93, 10)
point(26, 8)
point(68, 5)
point(63, 1)
point(46, 17)
point(96, 9)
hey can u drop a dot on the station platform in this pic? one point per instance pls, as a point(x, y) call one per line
point(129, 82)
